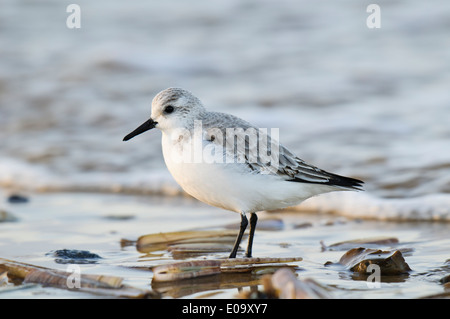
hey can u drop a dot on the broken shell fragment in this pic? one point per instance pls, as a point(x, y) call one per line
point(185, 270)
point(390, 262)
point(96, 284)
point(200, 268)
point(284, 284)
point(160, 241)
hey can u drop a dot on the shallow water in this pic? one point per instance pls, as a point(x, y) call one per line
point(371, 104)
point(98, 223)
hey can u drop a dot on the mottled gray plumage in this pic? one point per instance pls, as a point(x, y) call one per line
point(290, 167)
point(181, 98)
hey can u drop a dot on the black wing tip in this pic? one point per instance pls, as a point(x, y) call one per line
point(346, 182)
point(351, 183)
point(335, 180)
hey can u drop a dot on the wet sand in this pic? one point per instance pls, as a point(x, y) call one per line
point(100, 222)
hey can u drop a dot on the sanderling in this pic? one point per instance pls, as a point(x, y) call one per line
point(226, 162)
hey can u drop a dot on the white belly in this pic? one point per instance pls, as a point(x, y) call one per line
point(231, 186)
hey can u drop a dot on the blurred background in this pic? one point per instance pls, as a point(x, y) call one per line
point(369, 103)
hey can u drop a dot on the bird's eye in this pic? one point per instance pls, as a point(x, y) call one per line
point(169, 109)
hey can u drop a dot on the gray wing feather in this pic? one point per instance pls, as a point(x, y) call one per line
point(271, 158)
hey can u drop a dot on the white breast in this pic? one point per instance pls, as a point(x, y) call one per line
point(232, 186)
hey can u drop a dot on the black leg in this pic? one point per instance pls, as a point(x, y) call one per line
point(244, 223)
point(253, 220)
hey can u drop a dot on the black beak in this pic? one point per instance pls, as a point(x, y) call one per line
point(148, 125)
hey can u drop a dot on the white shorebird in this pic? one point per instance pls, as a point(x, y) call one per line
point(230, 172)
